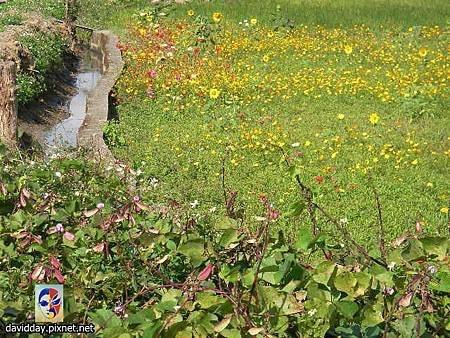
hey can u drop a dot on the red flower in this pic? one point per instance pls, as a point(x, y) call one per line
point(319, 179)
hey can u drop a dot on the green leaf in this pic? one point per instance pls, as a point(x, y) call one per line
point(347, 308)
point(406, 326)
point(372, 317)
point(229, 236)
point(441, 282)
point(193, 249)
point(295, 209)
point(229, 274)
point(231, 333)
point(208, 299)
point(226, 223)
point(294, 171)
point(323, 272)
point(345, 281)
point(220, 326)
point(304, 240)
point(413, 251)
point(435, 245)
point(169, 300)
point(153, 331)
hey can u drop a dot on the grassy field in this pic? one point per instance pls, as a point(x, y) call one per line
point(355, 93)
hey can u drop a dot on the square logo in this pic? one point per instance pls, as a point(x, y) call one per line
point(48, 303)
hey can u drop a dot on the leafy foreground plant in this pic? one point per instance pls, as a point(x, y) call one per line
point(161, 271)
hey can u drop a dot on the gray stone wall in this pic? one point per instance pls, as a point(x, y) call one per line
point(90, 135)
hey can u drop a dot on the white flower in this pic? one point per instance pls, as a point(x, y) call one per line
point(213, 209)
point(194, 204)
point(154, 182)
point(432, 269)
point(312, 312)
point(389, 291)
point(343, 221)
point(391, 265)
point(100, 206)
point(295, 145)
point(58, 174)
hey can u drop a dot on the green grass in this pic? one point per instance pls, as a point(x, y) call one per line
point(154, 129)
point(402, 13)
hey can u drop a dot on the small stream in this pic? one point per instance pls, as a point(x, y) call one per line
point(63, 135)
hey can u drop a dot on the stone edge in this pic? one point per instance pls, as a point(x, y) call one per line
point(90, 135)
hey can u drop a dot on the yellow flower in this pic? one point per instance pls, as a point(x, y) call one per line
point(190, 12)
point(430, 185)
point(414, 162)
point(253, 21)
point(374, 118)
point(340, 116)
point(266, 58)
point(270, 34)
point(423, 52)
point(348, 49)
point(444, 210)
point(217, 16)
point(214, 93)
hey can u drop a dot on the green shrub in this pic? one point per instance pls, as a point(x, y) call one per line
point(47, 52)
point(30, 87)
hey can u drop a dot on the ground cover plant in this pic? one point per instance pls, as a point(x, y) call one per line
point(38, 47)
point(356, 106)
point(136, 268)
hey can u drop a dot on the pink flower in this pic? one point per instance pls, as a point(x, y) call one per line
point(274, 214)
point(152, 74)
point(59, 227)
point(69, 236)
point(99, 247)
